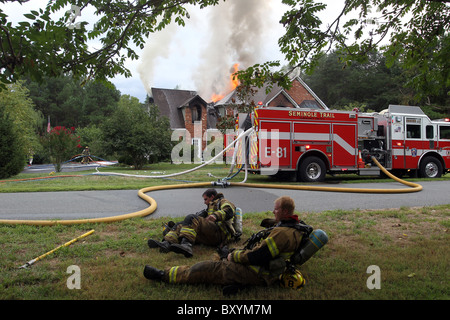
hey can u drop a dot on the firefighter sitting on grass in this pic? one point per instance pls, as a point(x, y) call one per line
point(212, 226)
point(261, 265)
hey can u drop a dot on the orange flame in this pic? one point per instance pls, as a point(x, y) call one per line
point(216, 97)
point(233, 83)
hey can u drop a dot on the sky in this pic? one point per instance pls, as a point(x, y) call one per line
point(201, 55)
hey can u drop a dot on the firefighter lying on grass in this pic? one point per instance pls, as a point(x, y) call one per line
point(257, 264)
point(212, 226)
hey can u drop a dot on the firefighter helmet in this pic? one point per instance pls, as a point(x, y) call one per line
point(292, 278)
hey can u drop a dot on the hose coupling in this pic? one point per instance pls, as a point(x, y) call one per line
point(222, 183)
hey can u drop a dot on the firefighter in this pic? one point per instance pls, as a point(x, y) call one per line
point(212, 226)
point(86, 154)
point(261, 265)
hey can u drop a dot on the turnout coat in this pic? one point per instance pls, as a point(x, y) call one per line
point(197, 229)
point(260, 265)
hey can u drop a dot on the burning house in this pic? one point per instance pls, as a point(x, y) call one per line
point(189, 111)
point(298, 96)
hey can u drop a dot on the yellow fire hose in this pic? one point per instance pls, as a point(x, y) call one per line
point(414, 187)
point(29, 263)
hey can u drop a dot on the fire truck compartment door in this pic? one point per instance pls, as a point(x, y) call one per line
point(307, 132)
point(275, 143)
point(344, 145)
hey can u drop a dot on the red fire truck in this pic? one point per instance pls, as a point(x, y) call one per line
point(310, 143)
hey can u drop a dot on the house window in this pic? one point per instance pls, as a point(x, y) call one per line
point(196, 113)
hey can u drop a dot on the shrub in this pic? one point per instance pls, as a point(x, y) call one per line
point(61, 144)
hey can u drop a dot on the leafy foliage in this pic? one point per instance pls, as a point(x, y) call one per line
point(92, 136)
point(371, 83)
point(135, 134)
point(12, 156)
point(41, 46)
point(68, 103)
point(414, 33)
point(17, 104)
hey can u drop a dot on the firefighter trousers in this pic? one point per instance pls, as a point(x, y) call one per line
point(199, 230)
point(214, 272)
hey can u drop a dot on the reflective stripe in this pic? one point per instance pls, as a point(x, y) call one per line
point(190, 231)
point(344, 144)
point(222, 214)
point(255, 268)
point(287, 254)
point(221, 211)
point(259, 270)
point(237, 255)
point(274, 134)
point(173, 274)
point(218, 208)
point(224, 229)
point(172, 237)
point(272, 247)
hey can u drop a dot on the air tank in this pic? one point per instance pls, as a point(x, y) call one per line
point(237, 223)
point(317, 239)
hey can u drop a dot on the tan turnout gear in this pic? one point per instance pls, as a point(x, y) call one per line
point(261, 265)
point(197, 229)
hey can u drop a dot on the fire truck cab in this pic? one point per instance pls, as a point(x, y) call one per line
point(310, 143)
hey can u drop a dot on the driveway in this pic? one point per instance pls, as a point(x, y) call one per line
point(179, 202)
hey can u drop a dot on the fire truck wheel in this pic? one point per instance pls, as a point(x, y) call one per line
point(312, 169)
point(430, 167)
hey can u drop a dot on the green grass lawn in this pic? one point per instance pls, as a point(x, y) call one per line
point(409, 245)
point(88, 180)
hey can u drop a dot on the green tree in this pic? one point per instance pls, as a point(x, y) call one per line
point(416, 33)
point(12, 156)
point(59, 98)
point(67, 102)
point(16, 103)
point(136, 133)
point(99, 100)
point(412, 32)
point(41, 46)
point(371, 83)
point(92, 136)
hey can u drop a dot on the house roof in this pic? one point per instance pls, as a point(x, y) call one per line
point(323, 105)
point(189, 100)
point(170, 102)
point(261, 96)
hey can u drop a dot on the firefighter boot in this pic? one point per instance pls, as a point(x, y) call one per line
point(152, 273)
point(185, 247)
point(162, 245)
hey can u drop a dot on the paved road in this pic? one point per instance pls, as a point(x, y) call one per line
point(179, 202)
